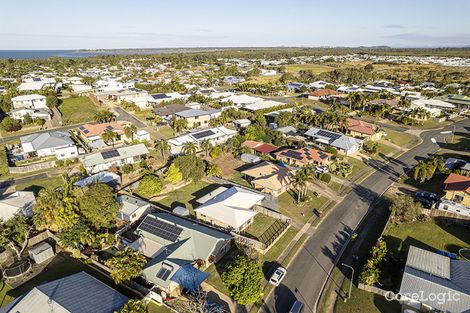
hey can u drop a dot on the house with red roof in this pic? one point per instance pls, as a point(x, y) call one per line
point(362, 129)
point(321, 94)
point(260, 147)
point(303, 156)
point(457, 189)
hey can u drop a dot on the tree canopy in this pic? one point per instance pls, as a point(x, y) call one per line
point(150, 185)
point(126, 265)
point(191, 166)
point(98, 206)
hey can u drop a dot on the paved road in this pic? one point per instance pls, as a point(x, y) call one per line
point(127, 117)
point(308, 272)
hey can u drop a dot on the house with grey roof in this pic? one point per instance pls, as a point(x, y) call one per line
point(167, 112)
point(58, 143)
point(435, 282)
point(19, 202)
point(344, 144)
point(198, 118)
point(178, 249)
point(76, 293)
point(102, 161)
point(132, 208)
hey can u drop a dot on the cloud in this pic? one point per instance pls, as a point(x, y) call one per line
point(395, 26)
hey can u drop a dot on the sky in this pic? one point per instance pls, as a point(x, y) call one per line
point(106, 24)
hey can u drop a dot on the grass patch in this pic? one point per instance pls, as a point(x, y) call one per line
point(459, 142)
point(264, 79)
point(357, 166)
point(299, 213)
point(215, 270)
point(3, 161)
point(401, 139)
point(155, 308)
point(315, 68)
point(186, 196)
point(260, 224)
point(77, 110)
point(38, 184)
point(238, 179)
point(281, 244)
point(385, 150)
point(166, 131)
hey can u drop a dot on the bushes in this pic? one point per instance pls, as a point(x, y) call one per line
point(372, 269)
point(371, 147)
point(325, 177)
point(215, 152)
point(3, 161)
point(10, 124)
point(127, 168)
point(149, 186)
point(191, 167)
point(331, 150)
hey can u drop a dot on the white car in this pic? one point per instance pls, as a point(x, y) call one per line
point(321, 169)
point(278, 276)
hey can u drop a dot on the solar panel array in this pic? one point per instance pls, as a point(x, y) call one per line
point(327, 134)
point(293, 154)
point(161, 229)
point(109, 127)
point(203, 134)
point(84, 130)
point(110, 154)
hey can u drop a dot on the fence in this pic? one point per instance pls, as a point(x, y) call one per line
point(373, 289)
point(31, 167)
point(450, 218)
point(41, 237)
point(268, 212)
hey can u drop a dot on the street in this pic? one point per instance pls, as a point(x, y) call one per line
point(309, 270)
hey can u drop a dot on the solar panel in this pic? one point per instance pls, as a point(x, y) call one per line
point(110, 154)
point(293, 154)
point(82, 128)
point(327, 134)
point(109, 127)
point(203, 134)
point(161, 229)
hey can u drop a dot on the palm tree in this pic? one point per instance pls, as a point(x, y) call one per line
point(190, 148)
point(353, 98)
point(206, 146)
point(163, 147)
point(420, 171)
point(299, 181)
point(130, 130)
point(104, 116)
point(108, 136)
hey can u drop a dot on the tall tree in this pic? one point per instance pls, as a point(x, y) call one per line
point(206, 146)
point(173, 174)
point(163, 147)
point(126, 265)
point(109, 136)
point(130, 130)
point(15, 232)
point(98, 206)
point(190, 148)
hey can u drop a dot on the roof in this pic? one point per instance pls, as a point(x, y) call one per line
point(189, 277)
point(333, 139)
point(195, 112)
point(130, 204)
point(361, 127)
point(47, 140)
point(304, 155)
point(429, 273)
point(120, 153)
point(28, 97)
point(18, 199)
point(269, 175)
point(39, 248)
point(232, 207)
point(102, 177)
point(433, 103)
point(200, 135)
point(92, 130)
point(169, 109)
point(260, 147)
point(76, 293)
point(323, 92)
point(195, 241)
point(456, 182)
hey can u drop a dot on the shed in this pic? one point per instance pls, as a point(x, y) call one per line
point(41, 252)
point(181, 211)
point(249, 158)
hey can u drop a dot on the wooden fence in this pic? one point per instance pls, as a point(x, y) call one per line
point(31, 168)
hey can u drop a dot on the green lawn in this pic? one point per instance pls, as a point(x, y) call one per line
point(77, 110)
point(385, 149)
point(281, 244)
point(238, 179)
point(357, 166)
point(155, 308)
point(260, 224)
point(3, 161)
point(315, 68)
point(38, 184)
point(166, 131)
point(401, 139)
point(299, 213)
point(459, 142)
point(62, 265)
point(186, 195)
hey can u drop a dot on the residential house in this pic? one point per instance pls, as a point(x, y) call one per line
point(322, 94)
point(269, 178)
point(465, 169)
point(58, 143)
point(231, 209)
point(287, 131)
point(76, 293)
point(142, 135)
point(320, 84)
point(111, 179)
point(241, 100)
point(454, 207)
point(271, 117)
point(344, 144)
point(362, 129)
point(457, 189)
point(303, 156)
point(261, 105)
point(177, 247)
point(167, 112)
point(102, 161)
point(432, 104)
point(132, 208)
point(241, 123)
point(109, 84)
point(230, 80)
point(198, 118)
point(433, 282)
point(36, 83)
point(460, 101)
point(216, 136)
point(33, 105)
point(19, 202)
point(91, 134)
point(161, 97)
point(259, 147)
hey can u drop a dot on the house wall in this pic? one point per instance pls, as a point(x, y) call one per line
point(67, 153)
point(198, 121)
point(103, 167)
point(52, 151)
point(457, 195)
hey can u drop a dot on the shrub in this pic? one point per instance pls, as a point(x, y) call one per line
point(215, 152)
point(331, 150)
point(127, 168)
point(67, 162)
point(59, 163)
point(325, 177)
point(149, 186)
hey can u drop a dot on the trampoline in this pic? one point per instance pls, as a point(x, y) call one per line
point(17, 269)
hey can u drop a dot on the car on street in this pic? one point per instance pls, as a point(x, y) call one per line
point(297, 307)
point(321, 169)
point(278, 276)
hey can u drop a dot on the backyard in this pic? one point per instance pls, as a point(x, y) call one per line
point(315, 68)
point(77, 110)
point(260, 224)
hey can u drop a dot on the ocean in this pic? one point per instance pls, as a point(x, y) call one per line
point(44, 54)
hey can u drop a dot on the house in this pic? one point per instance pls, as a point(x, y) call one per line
point(176, 246)
point(102, 161)
point(161, 97)
point(142, 135)
point(434, 282)
point(132, 208)
point(259, 147)
point(36, 83)
point(241, 100)
point(261, 105)
point(76, 293)
point(320, 84)
point(322, 94)
point(58, 143)
point(432, 104)
point(230, 80)
point(269, 178)
point(167, 112)
point(465, 169)
point(241, 123)
point(287, 131)
point(362, 129)
point(19, 202)
point(111, 179)
point(271, 117)
point(457, 189)
point(81, 88)
point(91, 134)
point(231, 209)
point(216, 136)
point(303, 156)
point(454, 207)
point(33, 105)
point(197, 118)
point(344, 144)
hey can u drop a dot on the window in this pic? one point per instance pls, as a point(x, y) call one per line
point(164, 271)
point(458, 198)
point(133, 215)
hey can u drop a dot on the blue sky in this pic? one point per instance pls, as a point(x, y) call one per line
point(53, 24)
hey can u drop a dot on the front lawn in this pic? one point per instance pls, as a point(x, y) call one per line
point(299, 213)
point(401, 139)
point(77, 110)
point(38, 184)
point(166, 131)
point(155, 308)
point(186, 196)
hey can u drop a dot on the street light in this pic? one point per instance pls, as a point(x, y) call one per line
point(351, 282)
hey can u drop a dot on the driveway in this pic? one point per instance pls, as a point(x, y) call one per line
point(309, 270)
point(125, 116)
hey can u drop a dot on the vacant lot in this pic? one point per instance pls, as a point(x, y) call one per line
point(77, 110)
point(401, 139)
point(303, 212)
point(315, 68)
point(187, 195)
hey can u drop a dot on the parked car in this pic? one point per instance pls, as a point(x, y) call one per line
point(297, 307)
point(427, 203)
point(278, 276)
point(321, 169)
point(427, 195)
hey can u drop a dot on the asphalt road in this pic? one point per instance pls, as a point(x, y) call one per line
point(308, 272)
point(123, 115)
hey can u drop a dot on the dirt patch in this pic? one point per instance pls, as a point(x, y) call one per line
point(228, 164)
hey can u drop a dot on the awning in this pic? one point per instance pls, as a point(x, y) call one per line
point(189, 277)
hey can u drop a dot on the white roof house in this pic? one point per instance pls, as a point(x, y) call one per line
point(231, 208)
point(20, 202)
point(216, 136)
point(132, 208)
point(57, 143)
point(29, 101)
point(241, 99)
point(343, 143)
point(432, 103)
